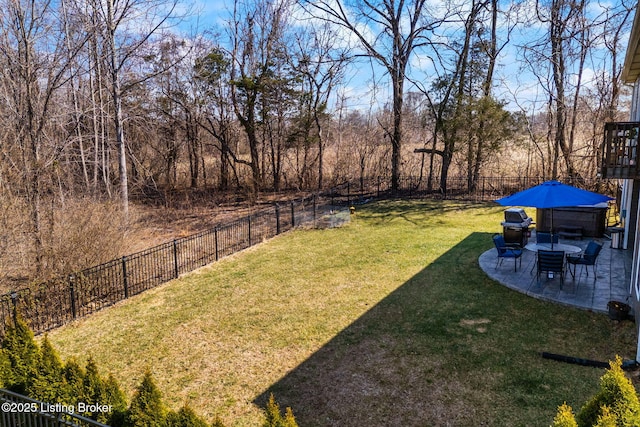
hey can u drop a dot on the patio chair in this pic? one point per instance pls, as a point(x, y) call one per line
point(542, 237)
point(551, 262)
point(505, 251)
point(588, 258)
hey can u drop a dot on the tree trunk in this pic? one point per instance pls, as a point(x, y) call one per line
point(320, 151)
point(396, 137)
point(451, 135)
point(116, 94)
point(486, 92)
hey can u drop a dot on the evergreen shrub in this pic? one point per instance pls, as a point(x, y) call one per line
point(38, 372)
point(21, 354)
point(185, 417)
point(274, 417)
point(147, 409)
point(615, 404)
point(564, 417)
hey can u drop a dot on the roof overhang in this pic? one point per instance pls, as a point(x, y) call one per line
point(631, 69)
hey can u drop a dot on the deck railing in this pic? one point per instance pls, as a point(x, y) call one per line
point(18, 410)
point(620, 150)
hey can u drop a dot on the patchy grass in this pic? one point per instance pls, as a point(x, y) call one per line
point(387, 321)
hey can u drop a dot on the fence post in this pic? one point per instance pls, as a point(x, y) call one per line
point(249, 223)
point(124, 277)
point(175, 258)
point(483, 187)
point(293, 216)
point(378, 189)
point(348, 193)
point(215, 236)
point(314, 210)
point(14, 301)
point(72, 292)
point(277, 219)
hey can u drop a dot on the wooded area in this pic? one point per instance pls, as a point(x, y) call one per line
point(107, 101)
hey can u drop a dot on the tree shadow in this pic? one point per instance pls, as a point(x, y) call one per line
point(380, 369)
point(385, 211)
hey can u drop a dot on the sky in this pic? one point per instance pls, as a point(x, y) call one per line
point(512, 81)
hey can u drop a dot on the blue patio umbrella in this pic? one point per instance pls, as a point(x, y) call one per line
point(553, 194)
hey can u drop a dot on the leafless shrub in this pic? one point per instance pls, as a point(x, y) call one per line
point(84, 233)
point(76, 235)
point(15, 254)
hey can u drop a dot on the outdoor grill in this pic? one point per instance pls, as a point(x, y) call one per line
point(515, 227)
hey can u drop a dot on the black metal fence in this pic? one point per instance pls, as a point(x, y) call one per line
point(483, 189)
point(18, 410)
point(59, 301)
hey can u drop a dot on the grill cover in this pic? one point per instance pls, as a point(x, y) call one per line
point(516, 217)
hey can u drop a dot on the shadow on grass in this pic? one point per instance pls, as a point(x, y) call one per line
point(449, 347)
point(393, 209)
point(422, 356)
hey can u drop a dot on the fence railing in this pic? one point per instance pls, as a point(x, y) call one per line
point(458, 188)
point(18, 410)
point(620, 150)
point(59, 301)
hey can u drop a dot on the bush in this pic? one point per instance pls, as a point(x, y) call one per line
point(38, 372)
point(84, 233)
point(21, 356)
point(147, 409)
point(564, 417)
point(185, 417)
point(274, 417)
point(73, 382)
point(115, 397)
point(79, 233)
point(94, 391)
point(617, 393)
point(606, 418)
point(5, 367)
point(615, 405)
point(47, 384)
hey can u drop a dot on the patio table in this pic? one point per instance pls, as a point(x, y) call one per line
point(567, 249)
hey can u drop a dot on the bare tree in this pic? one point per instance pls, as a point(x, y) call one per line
point(575, 41)
point(123, 29)
point(490, 114)
point(616, 22)
point(37, 54)
point(446, 97)
point(321, 66)
point(257, 33)
point(211, 75)
point(400, 29)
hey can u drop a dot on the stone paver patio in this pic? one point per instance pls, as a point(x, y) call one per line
point(612, 279)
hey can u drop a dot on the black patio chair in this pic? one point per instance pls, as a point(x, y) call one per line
point(551, 262)
point(505, 251)
point(587, 258)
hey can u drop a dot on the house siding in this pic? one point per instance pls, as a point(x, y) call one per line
point(631, 217)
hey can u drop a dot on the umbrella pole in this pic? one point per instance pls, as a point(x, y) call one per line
point(551, 229)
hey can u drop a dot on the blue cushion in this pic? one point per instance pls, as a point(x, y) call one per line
point(503, 250)
point(588, 257)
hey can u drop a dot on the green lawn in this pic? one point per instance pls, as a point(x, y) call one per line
point(386, 321)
